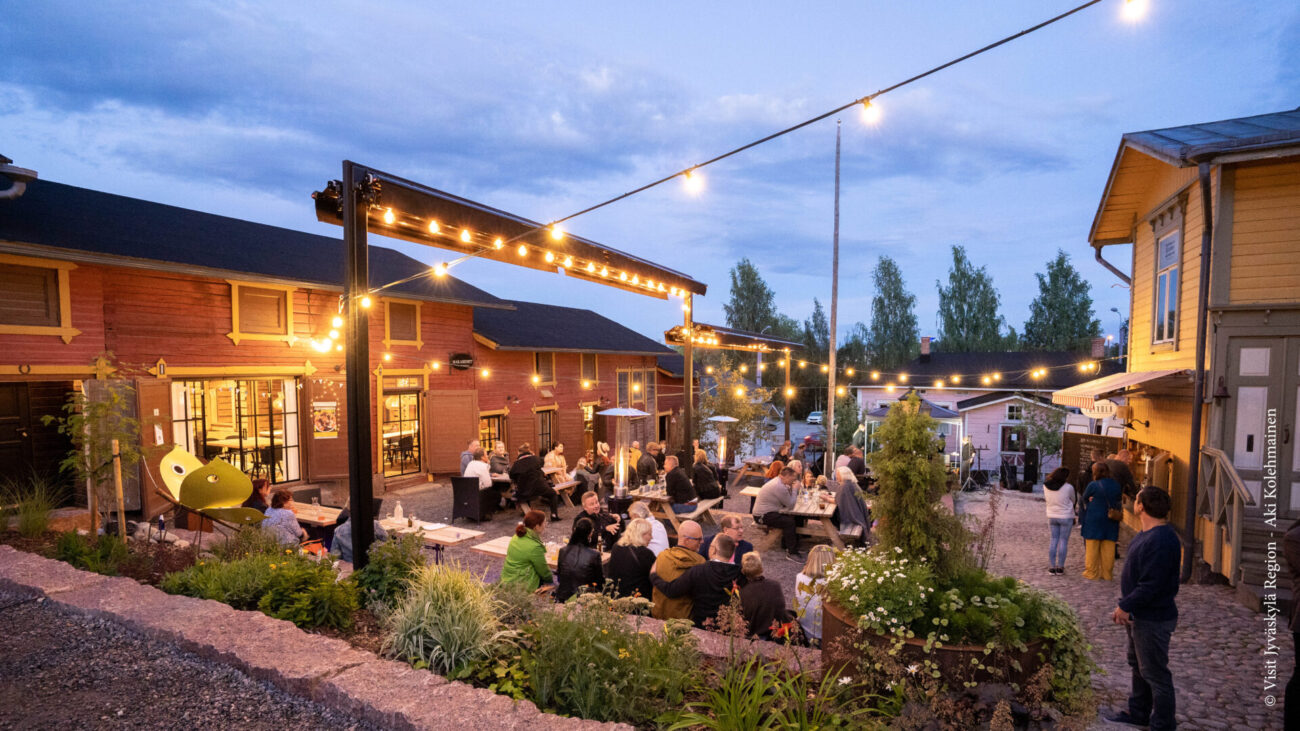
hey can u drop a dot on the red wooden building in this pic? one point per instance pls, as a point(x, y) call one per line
point(227, 331)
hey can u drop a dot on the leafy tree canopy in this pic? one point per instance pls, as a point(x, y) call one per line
point(968, 308)
point(1061, 316)
point(893, 337)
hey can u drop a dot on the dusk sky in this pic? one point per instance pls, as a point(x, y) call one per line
point(243, 109)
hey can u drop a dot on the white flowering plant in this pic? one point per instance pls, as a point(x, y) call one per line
point(884, 589)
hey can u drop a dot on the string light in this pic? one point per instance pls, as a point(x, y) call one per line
point(389, 217)
point(568, 262)
point(849, 372)
point(536, 379)
point(740, 391)
point(337, 321)
point(365, 302)
point(889, 387)
point(825, 368)
point(523, 250)
point(802, 363)
point(956, 378)
point(604, 271)
point(550, 257)
point(693, 181)
point(484, 373)
point(902, 377)
point(938, 383)
point(388, 356)
point(591, 268)
point(636, 388)
point(622, 276)
point(789, 393)
point(744, 368)
point(334, 334)
point(870, 113)
point(875, 375)
point(498, 243)
point(839, 391)
point(986, 380)
point(339, 347)
point(762, 367)
point(435, 365)
point(586, 384)
point(440, 270)
point(434, 227)
point(557, 233)
point(465, 235)
point(686, 307)
point(997, 376)
point(1134, 10)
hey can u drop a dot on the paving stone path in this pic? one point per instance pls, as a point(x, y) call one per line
point(1216, 655)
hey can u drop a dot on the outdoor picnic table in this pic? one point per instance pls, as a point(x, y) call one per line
point(498, 547)
point(318, 515)
point(818, 514)
point(660, 506)
point(436, 535)
point(751, 492)
point(752, 467)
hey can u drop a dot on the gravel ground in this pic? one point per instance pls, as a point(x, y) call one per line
point(59, 671)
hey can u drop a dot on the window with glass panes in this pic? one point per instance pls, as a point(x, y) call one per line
point(251, 424)
point(491, 429)
point(545, 430)
point(1164, 317)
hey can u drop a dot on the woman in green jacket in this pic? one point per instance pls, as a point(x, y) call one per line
point(526, 556)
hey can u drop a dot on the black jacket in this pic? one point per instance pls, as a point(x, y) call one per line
point(579, 569)
point(629, 569)
point(706, 481)
point(530, 481)
point(679, 486)
point(763, 603)
point(708, 585)
point(857, 465)
point(646, 469)
point(602, 520)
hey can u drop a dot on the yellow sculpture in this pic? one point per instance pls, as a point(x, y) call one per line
point(215, 490)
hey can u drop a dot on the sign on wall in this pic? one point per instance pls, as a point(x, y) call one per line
point(461, 361)
point(325, 419)
point(1076, 453)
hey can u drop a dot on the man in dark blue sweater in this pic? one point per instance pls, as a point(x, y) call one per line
point(1148, 612)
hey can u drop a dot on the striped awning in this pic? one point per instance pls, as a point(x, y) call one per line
point(1085, 394)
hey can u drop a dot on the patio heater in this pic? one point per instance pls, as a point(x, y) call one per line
point(621, 445)
point(721, 423)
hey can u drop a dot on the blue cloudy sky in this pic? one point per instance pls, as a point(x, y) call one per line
point(244, 108)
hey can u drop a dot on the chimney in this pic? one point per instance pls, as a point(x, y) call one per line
point(1099, 347)
point(925, 349)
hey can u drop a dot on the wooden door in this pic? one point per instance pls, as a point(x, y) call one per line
point(326, 428)
point(450, 421)
point(154, 409)
point(1263, 390)
point(15, 431)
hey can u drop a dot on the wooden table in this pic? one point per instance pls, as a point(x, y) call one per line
point(436, 538)
point(751, 492)
point(318, 515)
point(499, 546)
point(752, 467)
point(818, 514)
point(661, 506)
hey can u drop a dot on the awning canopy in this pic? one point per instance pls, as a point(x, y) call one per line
point(1085, 394)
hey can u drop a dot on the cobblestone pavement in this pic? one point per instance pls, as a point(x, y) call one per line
point(1216, 655)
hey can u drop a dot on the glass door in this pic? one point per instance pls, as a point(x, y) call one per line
point(401, 433)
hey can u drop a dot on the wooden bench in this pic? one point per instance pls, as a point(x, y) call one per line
point(565, 489)
point(700, 514)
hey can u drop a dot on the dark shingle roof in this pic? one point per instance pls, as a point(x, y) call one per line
point(989, 398)
point(674, 365)
point(1062, 371)
point(551, 328)
point(70, 218)
point(1190, 143)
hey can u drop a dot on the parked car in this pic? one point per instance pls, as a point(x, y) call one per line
point(814, 417)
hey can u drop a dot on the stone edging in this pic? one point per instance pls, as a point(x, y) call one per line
point(328, 671)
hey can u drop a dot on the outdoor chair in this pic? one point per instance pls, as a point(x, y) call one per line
point(470, 501)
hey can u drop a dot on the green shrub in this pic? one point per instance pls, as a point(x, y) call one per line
point(736, 700)
point(887, 591)
point(30, 499)
point(448, 619)
point(241, 583)
point(308, 594)
point(585, 660)
point(249, 541)
point(518, 603)
point(105, 554)
point(387, 576)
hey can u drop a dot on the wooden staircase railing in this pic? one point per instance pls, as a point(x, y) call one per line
point(1222, 498)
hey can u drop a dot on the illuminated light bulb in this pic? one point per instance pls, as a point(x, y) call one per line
point(1110, 337)
point(464, 235)
point(789, 393)
point(848, 372)
point(388, 356)
point(672, 291)
point(938, 383)
point(484, 373)
point(693, 181)
point(744, 368)
point(1083, 367)
point(339, 347)
point(536, 379)
point(890, 388)
point(902, 378)
point(334, 334)
point(839, 391)
point(557, 233)
point(568, 262)
point(708, 369)
point(650, 284)
point(997, 376)
point(986, 380)
point(550, 257)
point(320, 346)
point(636, 388)
point(956, 379)
point(636, 279)
point(586, 384)
point(740, 391)
point(875, 375)
point(365, 301)
point(337, 321)
point(661, 286)
point(1133, 10)
point(435, 365)
point(686, 307)
point(826, 369)
point(780, 364)
point(802, 363)
point(389, 217)
point(440, 269)
point(604, 271)
point(870, 112)
point(591, 268)
point(434, 227)
point(762, 367)
point(523, 250)
point(622, 276)
point(498, 243)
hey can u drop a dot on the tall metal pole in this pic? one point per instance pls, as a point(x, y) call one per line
point(827, 460)
point(688, 381)
point(788, 398)
point(357, 195)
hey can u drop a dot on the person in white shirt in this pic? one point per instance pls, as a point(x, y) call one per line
point(1061, 510)
point(478, 467)
point(658, 534)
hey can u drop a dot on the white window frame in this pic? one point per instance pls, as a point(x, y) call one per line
point(1015, 412)
point(1166, 289)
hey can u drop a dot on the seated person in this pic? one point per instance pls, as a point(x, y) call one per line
point(578, 564)
point(774, 469)
point(850, 507)
point(526, 555)
point(260, 500)
point(531, 483)
point(479, 467)
point(555, 460)
point(761, 601)
point(468, 454)
point(678, 484)
point(500, 461)
point(808, 590)
point(647, 468)
point(607, 524)
point(342, 545)
point(731, 525)
point(630, 561)
point(658, 534)
point(708, 584)
point(282, 519)
point(857, 464)
point(776, 496)
point(705, 479)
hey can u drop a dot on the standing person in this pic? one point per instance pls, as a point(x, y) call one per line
point(526, 556)
point(658, 534)
point(1061, 510)
point(709, 585)
point(730, 525)
point(783, 453)
point(661, 454)
point(647, 469)
point(808, 586)
point(773, 498)
point(282, 519)
point(578, 566)
point(530, 481)
point(1291, 549)
point(468, 454)
point(1121, 471)
point(1149, 614)
point(680, 491)
point(630, 561)
point(1102, 502)
point(761, 601)
point(671, 564)
point(704, 478)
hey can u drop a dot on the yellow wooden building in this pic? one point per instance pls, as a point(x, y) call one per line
point(1212, 212)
